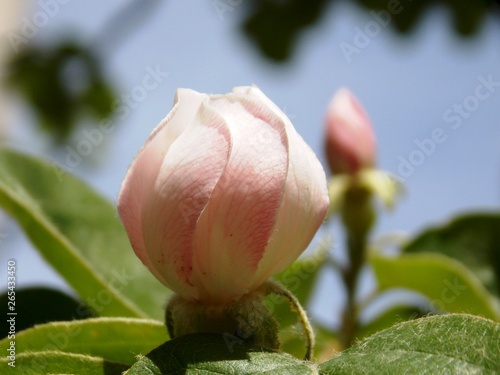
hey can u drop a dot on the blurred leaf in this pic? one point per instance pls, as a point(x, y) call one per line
point(113, 339)
point(388, 318)
point(57, 306)
point(468, 16)
point(473, 239)
point(98, 99)
point(293, 340)
point(62, 363)
point(381, 184)
point(300, 278)
point(448, 284)
point(62, 84)
point(445, 344)
point(78, 233)
point(327, 343)
point(216, 354)
point(275, 26)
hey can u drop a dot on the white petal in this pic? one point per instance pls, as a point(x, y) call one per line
point(235, 227)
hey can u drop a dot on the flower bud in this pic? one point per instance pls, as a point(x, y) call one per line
point(350, 142)
point(224, 194)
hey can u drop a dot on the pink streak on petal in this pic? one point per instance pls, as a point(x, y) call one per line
point(144, 170)
point(188, 175)
point(304, 203)
point(304, 208)
point(235, 227)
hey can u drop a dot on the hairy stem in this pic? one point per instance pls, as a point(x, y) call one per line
point(272, 287)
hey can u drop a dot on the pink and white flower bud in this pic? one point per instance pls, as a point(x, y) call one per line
point(350, 142)
point(224, 194)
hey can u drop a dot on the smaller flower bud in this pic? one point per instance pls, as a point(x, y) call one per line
point(350, 142)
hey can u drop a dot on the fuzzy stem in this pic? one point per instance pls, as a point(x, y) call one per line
point(272, 287)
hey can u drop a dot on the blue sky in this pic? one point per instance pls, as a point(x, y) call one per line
point(414, 88)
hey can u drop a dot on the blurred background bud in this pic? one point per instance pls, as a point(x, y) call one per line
point(350, 142)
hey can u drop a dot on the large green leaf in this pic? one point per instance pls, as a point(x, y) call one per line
point(444, 344)
point(113, 339)
point(60, 363)
point(388, 318)
point(448, 284)
point(78, 233)
point(474, 239)
point(216, 354)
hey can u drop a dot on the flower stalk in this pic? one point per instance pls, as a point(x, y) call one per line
point(357, 218)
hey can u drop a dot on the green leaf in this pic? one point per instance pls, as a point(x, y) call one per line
point(61, 363)
point(448, 284)
point(473, 239)
point(77, 231)
point(388, 318)
point(444, 344)
point(216, 354)
point(113, 339)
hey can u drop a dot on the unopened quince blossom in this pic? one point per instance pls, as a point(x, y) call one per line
point(224, 194)
point(350, 141)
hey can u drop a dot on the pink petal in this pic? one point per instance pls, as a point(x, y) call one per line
point(144, 169)
point(191, 168)
point(304, 203)
point(304, 208)
point(234, 230)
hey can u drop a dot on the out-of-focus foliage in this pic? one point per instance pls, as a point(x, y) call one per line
point(274, 26)
point(473, 239)
point(449, 285)
point(77, 231)
point(63, 84)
